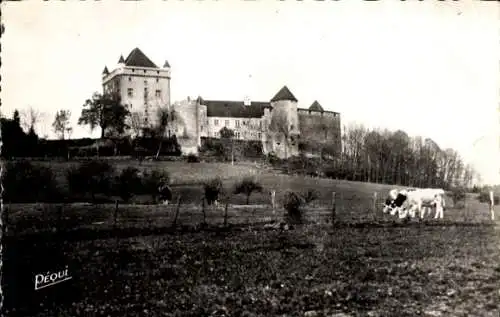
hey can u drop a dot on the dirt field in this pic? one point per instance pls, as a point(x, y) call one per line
point(370, 264)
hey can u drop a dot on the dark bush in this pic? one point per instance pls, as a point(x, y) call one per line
point(128, 183)
point(94, 177)
point(213, 189)
point(274, 160)
point(296, 165)
point(27, 182)
point(191, 158)
point(153, 180)
point(458, 194)
point(247, 186)
point(484, 197)
point(293, 202)
point(310, 195)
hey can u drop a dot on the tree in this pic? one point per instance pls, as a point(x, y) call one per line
point(106, 112)
point(165, 117)
point(247, 186)
point(30, 118)
point(16, 118)
point(61, 123)
point(137, 122)
point(227, 135)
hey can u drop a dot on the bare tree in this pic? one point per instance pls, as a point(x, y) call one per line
point(29, 118)
point(61, 123)
point(395, 158)
point(137, 122)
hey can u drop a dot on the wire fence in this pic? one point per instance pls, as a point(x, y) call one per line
point(352, 210)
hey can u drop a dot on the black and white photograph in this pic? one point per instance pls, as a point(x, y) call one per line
point(250, 158)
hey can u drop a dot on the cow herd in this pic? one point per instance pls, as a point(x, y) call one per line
point(406, 202)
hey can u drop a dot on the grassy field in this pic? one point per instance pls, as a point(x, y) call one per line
point(369, 264)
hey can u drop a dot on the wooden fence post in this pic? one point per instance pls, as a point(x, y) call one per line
point(203, 210)
point(177, 211)
point(225, 213)
point(273, 200)
point(115, 216)
point(492, 205)
point(334, 209)
point(374, 204)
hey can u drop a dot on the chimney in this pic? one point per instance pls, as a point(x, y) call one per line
point(247, 101)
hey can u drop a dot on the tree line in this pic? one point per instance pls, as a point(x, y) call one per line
point(102, 111)
point(383, 156)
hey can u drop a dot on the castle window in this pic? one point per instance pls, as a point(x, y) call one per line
point(157, 79)
point(157, 71)
point(145, 82)
point(259, 135)
point(216, 122)
point(144, 71)
point(201, 128)
point(130, 92)
point(130, 79)
point(237, 123)
point(145, 92)
point(237, 135)
point(158, 93)
point(226, 123)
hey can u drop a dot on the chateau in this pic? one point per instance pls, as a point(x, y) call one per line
point(280, 124)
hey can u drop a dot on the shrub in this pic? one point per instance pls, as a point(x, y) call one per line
point(213, 189)
point(484, 197)
point(273, 159)
point(310, 195)
point(26, 182)
point(458, 194)
point(153, 180)
point(128, 183)
point(247, 186)
point(94, 177)
point(191, 158)
point(293, 202)
point(296, 165)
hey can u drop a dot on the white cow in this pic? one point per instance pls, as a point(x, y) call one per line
point(408, 201)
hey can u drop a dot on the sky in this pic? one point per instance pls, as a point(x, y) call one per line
point(430, 68)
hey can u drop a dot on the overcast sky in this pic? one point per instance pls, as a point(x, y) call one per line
point(430, 68)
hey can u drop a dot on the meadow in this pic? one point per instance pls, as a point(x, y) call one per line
point(366, 264)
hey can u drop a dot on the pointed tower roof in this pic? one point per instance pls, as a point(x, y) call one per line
point(139, 59)
point(121, 60)
point(105, 71)
point(166, 64)
point(284, 94)
point(316, 106)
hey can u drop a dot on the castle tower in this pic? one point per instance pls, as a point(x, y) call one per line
point(140, 83)
point(284, 124)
